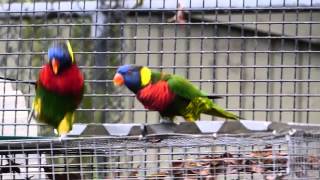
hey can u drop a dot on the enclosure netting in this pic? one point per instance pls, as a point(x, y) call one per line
point(261, 56)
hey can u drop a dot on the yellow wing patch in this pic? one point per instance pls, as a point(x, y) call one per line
point(37, 106)
point(70, 50)
point(145, 74)
point(66, 124)
point(197, 106)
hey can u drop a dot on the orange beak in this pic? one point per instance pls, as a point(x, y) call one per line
point(55, 65)
point(118, 80)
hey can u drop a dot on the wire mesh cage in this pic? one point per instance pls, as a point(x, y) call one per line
point(246, 156)
point(260, 56)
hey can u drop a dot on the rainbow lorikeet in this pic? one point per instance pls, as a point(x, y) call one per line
point(170, 95)
point(59, 89)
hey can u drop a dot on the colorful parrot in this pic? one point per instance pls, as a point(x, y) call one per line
point(59, 89)
point(170, 95)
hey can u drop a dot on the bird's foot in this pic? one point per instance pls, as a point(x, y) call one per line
point(61, 136)
point(166, 121)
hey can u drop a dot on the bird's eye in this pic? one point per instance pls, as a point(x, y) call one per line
point(129, 72)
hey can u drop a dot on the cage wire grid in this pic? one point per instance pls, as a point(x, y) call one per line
point(261, 56)
point(262, 156)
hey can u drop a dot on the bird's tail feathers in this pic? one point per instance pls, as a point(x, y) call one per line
point(216, 110)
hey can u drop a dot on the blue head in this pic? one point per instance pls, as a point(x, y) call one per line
point(134, 77)
point(128, 75)
point(60, 56)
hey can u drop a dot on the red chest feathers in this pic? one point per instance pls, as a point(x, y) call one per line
point(70, 81)
point(156, 96)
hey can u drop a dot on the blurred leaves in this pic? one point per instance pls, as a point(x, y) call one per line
point(269, 163)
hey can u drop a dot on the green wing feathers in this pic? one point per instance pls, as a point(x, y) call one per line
point(184, 88)
point(199, 102)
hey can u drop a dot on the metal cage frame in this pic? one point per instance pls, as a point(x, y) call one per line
point(260, 56)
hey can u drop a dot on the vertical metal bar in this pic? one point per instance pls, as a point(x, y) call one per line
point(215, 48)
point(122, 28)
point(5, 71)
point(9, 160)
point(148, 48)
point(187, 33)
point(242, 63)
point(296, 63)
point(256, 43)
point(52, 161)
point(228, 55)
point(110, 158)
point(162, 41)
point(95, 167)
point(26, 159)
point(81, 161)
point(252, 149)
point(94, 33)
point(171, 159)
point(225, 147)
point(291, 153)
point(101, 45)
point(175, 40)
point(269, 99)
point(47, 28)
point(145, 159)
point(134, 58)
point(17, 75)
point(201, 43)
point(274, 160)
point(282, 61)
point(309, 63)
point(28, 99)
point(39, 160)
point(2, 160)
point(58, 22)
point(65, 160)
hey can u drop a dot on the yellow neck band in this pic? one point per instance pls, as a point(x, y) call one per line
point(145, 74)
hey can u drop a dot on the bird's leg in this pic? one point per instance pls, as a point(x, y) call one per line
point(30, 115)
point(55, 131)
point(29, 120)
point(61, 136)
point(167, 120)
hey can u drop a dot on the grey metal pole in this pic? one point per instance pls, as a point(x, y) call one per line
point(104, 59)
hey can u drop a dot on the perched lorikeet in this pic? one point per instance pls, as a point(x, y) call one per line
point(59, 89)
point(170, 95)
